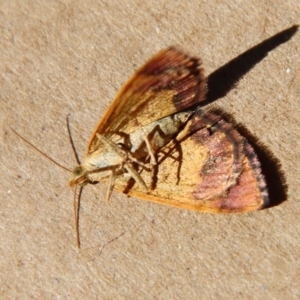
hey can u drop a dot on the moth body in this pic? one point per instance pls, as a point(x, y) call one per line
point(120, 156)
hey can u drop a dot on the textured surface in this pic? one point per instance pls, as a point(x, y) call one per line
point(61, 57)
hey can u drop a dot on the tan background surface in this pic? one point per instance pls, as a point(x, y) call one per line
point(61, 57)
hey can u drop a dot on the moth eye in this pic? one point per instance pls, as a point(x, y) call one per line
point(77, 171)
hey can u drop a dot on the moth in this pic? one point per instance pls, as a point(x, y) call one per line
point(150, 144)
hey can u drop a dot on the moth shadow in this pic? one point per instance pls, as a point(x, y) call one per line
point(270, 165)
point(224, 79)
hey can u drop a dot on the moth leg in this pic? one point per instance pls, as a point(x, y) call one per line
point(116, 149)
point(133, 159)
point(153, 160)
point(111, 145)
point(111, 184)
point(135, 175)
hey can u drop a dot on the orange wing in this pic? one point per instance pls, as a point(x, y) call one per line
point(213, 170)
point(167, 83)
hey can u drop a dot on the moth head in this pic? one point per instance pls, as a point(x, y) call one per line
point(79, 177)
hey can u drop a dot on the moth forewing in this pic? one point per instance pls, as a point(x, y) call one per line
point(168, 83)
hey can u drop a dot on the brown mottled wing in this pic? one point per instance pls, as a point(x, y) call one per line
point(167, 83)
point(217, 171)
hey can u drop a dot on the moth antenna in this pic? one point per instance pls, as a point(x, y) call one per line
point(41, 152)
point(71, 140)
point(76, 203)
point(76, 213)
